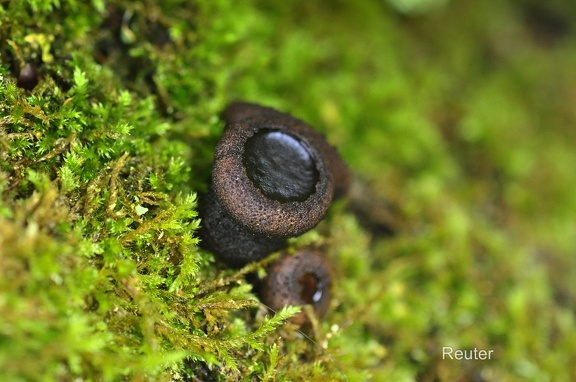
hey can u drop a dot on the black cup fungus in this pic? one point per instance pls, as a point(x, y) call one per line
point(273, 178)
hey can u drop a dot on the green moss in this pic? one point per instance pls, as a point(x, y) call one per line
point(456, 118)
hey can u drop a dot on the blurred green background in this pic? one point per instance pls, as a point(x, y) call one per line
point(456, 117)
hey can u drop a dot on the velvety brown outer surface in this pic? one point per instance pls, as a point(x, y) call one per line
point(282, 286)
point(229, 239)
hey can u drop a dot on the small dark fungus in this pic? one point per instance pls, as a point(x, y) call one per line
point(28, 77)
point(272, 179)
point(299, 279)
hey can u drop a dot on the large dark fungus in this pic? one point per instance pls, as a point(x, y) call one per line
point(273, 178)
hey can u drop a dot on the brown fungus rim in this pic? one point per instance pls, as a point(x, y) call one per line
point(246, 203)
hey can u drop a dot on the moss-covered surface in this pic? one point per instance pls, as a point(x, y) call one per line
point(458, 119)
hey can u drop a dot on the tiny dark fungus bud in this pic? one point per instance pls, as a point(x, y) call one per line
point(28, 77)
point(299, 279)
point(272, 179)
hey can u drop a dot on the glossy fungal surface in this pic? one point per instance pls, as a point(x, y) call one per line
point(299, 279)
point(281, 166)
